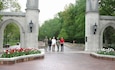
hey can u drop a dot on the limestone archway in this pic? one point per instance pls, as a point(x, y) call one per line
point(102, 31)
point(3, 26)
point(23, 19)
point(94, 41)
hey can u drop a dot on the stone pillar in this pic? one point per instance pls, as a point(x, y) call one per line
point(32, 4)
point(91, 18)
point(32, 14)
point(91, 5)
point(1, 40)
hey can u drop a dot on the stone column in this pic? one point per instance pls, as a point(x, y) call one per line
point(91, 18)
point(32, 14)
point(1, 40)
point(32, 4)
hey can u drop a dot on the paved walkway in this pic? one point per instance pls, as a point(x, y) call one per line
point(63, 61)
point(68, 47)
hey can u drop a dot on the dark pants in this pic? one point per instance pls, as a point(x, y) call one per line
point(62, 47)
point(49, 47)
point(57, 47)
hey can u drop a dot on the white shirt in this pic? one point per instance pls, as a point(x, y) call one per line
point(53, 41)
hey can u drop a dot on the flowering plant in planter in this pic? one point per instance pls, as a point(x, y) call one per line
point(19, 52)
point(108, 51)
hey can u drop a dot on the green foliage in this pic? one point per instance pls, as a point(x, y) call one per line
point(50, 28)
point(13, 5)
point(80, 21)
point(11, 34)
point(108, 37)
point(63, 34)
point(108, 51)
point(19, 52)
point(1, 5)
point(72, 20)
point(107, 7)
point(70, 24)
point(109, 34)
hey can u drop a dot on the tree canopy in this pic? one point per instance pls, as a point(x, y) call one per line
point(107, 7)
point(11, 34)
point(13, 5)
point(70, 23)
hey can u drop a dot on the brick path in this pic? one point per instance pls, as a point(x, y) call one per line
point(63, 61)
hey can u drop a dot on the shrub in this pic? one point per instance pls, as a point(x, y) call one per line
point(19, 52)
point(108, 51)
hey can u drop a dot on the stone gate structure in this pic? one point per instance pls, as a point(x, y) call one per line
point(28, 33)
point(95, 25)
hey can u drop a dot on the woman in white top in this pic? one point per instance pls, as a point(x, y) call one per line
point(53, 44)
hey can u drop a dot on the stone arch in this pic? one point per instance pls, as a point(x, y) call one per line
point(28, 39)
point(99, 22)
point(8, 21)
point(102, 30)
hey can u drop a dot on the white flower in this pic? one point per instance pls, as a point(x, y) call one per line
point(8, 52)
point(103, 49)
point(4, 50)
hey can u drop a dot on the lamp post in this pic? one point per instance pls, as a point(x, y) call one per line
point(95, 28)
point(31, 25)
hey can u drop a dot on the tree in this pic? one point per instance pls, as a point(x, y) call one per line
point(1, 7)
point(107, 7)
point(68, 22)
point(12, 5)
point(80, 20)
point(63, 34)
point(50, 28)
point(11, 34)
point(73, 21)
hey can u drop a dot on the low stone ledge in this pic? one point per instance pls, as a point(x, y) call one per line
point(103, 57)
point(10, 61)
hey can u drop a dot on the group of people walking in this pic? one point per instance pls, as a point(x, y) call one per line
point(52, 43)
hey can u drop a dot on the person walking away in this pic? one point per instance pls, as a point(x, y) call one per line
point(49, 43)
point(58, 44)
point(46, 43)
point(53, 44)
point(62, 43)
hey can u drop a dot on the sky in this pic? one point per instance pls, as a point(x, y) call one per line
point(48, 8)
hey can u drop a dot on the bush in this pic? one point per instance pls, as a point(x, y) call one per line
point(108, 51)
point(19, 52)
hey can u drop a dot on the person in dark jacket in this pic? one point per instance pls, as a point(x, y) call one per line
point(58, 44)
point(49, 43)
